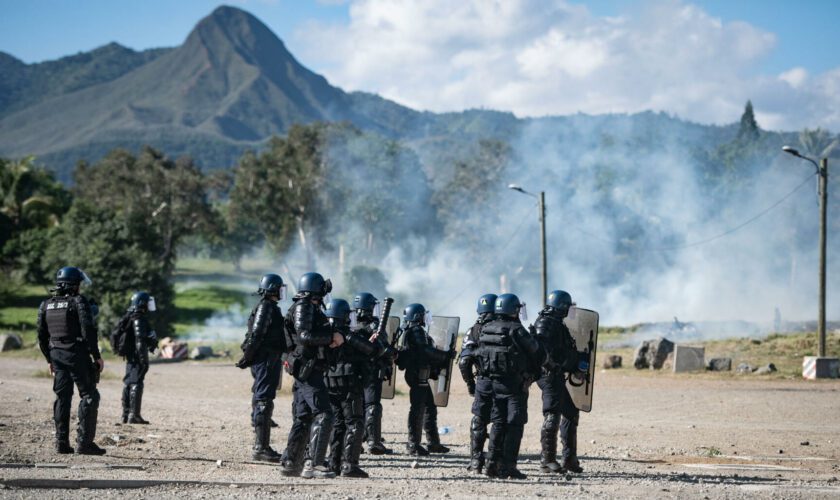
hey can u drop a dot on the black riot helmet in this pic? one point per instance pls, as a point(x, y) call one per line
point(338, 310)
point(142, 301)
point(414, 313)
point(560, 301)
point(486, 303)
point(314, 284)
point(272, 284)
point(68, 279)
point(508, 304)
point(364, 301)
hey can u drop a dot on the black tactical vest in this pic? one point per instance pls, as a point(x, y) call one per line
point(63, 321)
point(348, 367)
point(498, 354)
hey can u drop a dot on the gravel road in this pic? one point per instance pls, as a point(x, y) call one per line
point(648, 436)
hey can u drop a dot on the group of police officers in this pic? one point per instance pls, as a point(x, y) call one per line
point(339, 356)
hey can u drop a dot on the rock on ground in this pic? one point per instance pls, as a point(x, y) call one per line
point(10, 342)
point(612, 361)
point(719, 364)
point(652, 353)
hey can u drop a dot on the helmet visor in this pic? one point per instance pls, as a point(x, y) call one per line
point(282, 292)
point(327, 287)
point(376, 310)
point(354, 323)
point(428, 318)
point(523, 313)
point(572, 311)
point(86, 281)
point(327, 299)
point(151, 305)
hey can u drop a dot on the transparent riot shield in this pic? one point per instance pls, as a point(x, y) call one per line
point(389, 385)
point(444, 333)
point(583, 325)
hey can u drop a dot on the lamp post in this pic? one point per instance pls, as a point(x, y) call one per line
point(541, 199)
point(831, 365)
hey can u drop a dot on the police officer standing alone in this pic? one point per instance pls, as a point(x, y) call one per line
point(419, 359)
point(140, 339)
point(479, 386)
point(510, 357)
point(262, 350)
point(558, 409)
point(309, 338)
point(345, 380)
point(365, 303)
point(67, 337)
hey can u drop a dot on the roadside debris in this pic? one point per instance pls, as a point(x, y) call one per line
point(652, 353)
point(719, 365)
point(613, 361)
point(10, 342)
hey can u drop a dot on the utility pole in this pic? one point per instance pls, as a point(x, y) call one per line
point(823, 172)
point(543, 243)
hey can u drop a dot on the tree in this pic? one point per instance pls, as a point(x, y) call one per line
point(818, 142)
point(748, 129)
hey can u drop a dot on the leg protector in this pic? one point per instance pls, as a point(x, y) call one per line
point(568, 435)
point(494, 449)
point(548, 442)
point(510, 453)
point(296, 445)
point(262, 432)
point(88, 413)
point(126, 402)
point(319, 436)
point(478, 435)
point(136, 393)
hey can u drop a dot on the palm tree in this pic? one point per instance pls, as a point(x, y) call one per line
point(817, 142)
point(25, 193)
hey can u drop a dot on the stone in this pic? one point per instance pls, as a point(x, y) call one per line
point(766, 369)
point(689, 359)
point(612, 361)
point(201, 352)
point(719, 364)
point(10, 342)
point(744, 368)
point(652, 353)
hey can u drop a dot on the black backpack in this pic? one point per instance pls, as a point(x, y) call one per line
point(120, 335)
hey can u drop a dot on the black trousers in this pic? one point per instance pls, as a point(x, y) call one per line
point(266, 371)
point(348, 430)
point(313, 420)
point(422, 413)
point(73, 366)
point(373, 391)
point(558, 402)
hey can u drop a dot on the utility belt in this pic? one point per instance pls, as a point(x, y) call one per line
point(66, 342)
point(301, 367)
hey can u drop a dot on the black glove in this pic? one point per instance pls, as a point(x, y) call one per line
point(246, 361)
point(471, 389)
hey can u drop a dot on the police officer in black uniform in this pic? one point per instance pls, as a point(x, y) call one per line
point(480, 387)
point(419, 360)
point(67, 337)
point(140, 340)
point(262, 351)
point(510, 357)
point(345, 381)
point(309, 339)
point(365, 304)
point(558, 409)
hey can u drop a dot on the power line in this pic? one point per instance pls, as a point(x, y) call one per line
point(717, 236)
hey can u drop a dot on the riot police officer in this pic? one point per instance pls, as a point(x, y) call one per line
point(140, 340)
point(262, 350)
point(510, 357)
point(67, 337)
point(309, 337)
point(558, 409)
point(419, 359)
point(365, 304)
point(480, 387)
point(345, 379)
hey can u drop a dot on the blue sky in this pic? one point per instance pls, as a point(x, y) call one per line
point(697, 59)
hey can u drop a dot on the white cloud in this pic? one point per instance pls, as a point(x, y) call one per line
point(537, 57)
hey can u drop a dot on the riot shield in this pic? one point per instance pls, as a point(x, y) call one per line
point(444, 332)
point(389, 385)
point(583, 325)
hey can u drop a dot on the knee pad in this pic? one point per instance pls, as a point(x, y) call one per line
point(552, 421)
point(90, 400)
point(325, 419)
point(478, 423)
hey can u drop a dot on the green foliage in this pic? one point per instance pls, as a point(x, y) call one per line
point(364, 278)
point(748, 129)
point(122, 254)
point(818, 143)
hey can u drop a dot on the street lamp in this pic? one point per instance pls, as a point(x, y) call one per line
point(822, 172)
point(541, 199)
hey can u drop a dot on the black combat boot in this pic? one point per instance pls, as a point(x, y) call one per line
point(136, 393)
point(373, 429)
point(126, 404)
point(88, 413)
point(510, 453)
point(478, 435)
point(494, 449)
point(319, 439)
point(262, 450)
point(433, 438)
point(293, 455)
point(568, 434)
point(62, 433)
point(548, 441)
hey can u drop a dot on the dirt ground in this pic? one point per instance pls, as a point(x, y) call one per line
point(649, 435)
